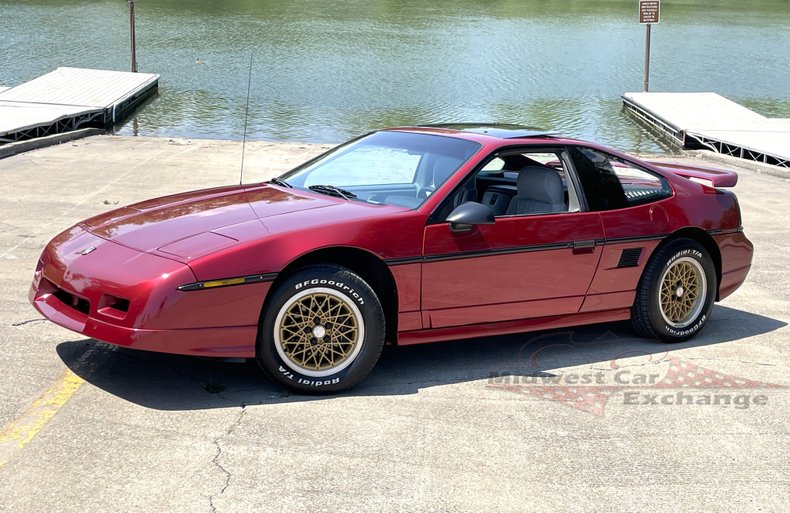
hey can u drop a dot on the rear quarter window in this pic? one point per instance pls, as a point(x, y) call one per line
point(610, 183)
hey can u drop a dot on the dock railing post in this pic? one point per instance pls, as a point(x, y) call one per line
point(131, 36)
point(646, 84)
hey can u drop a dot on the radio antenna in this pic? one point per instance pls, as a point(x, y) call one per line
point(246, 117)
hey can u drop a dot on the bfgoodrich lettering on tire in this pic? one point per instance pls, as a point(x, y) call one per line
point(322, 331)
point(676, 293)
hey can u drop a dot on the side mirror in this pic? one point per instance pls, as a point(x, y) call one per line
point(468, 214)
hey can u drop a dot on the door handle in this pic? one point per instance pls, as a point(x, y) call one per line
point(580, 247)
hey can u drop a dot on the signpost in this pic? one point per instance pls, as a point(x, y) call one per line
point(649, 13)
point(131, 36)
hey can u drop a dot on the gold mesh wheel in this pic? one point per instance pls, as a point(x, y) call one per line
point(319, 332)
point(682, 293)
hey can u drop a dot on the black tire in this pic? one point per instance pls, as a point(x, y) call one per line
point(320, 314)
point(675, 296)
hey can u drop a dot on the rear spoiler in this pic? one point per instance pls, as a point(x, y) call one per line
point(705, 175)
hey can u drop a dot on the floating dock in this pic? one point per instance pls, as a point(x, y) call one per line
point(711, 121)
point(69, 99)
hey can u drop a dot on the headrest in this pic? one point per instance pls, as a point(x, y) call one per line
point(540, 184)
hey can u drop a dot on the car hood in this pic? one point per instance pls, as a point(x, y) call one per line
point(189, 225)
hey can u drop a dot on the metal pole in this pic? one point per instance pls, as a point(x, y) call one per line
point(131, 35)
point(646, 85)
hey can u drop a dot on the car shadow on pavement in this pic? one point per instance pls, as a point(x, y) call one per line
point(173, 382)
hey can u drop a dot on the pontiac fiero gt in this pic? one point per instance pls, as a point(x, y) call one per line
point(403, 236)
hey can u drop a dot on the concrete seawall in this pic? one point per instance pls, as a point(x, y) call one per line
point(175, 164)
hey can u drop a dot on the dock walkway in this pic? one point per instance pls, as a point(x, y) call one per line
point(69, 99)
point(711, 121)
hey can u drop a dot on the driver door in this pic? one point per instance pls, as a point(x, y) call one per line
point(522, 266)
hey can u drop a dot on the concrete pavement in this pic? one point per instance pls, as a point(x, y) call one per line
point(569, 420)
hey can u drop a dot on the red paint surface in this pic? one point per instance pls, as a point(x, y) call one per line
point(712, 176)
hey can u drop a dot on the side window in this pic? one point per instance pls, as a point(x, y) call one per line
point(519, 182)
point(610, 183)
point(496, 164)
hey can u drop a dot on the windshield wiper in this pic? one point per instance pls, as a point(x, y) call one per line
point(333, 191)
point(280, 182)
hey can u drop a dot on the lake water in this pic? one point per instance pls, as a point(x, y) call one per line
point(327, 70)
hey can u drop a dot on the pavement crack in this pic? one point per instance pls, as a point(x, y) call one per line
point(216, 459)
point(745, 362)
point(202, 382)
point(763, 364)
point(27, 322)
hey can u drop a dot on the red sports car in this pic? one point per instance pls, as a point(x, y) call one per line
point(403, 236)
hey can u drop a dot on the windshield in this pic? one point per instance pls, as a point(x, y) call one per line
point(394, 168)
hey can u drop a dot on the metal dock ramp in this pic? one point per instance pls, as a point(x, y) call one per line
point(711, 121)
point(71, 98)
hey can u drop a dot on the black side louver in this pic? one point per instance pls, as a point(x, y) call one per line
point(629, 257)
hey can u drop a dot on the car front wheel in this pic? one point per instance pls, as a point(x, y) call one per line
point(322, 331)
point(676, 293)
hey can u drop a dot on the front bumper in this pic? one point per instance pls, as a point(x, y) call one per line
point(129, 298)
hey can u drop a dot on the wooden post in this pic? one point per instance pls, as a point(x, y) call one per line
point(131, 36)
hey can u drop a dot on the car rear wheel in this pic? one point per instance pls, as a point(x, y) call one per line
point(676, 293)
point(322, 331)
